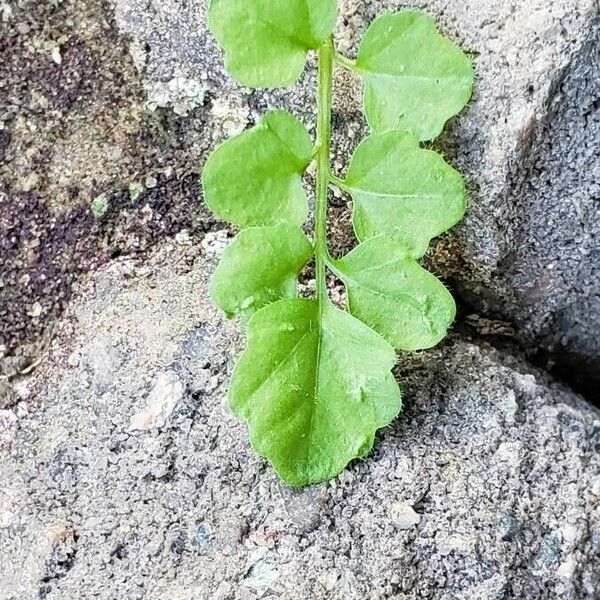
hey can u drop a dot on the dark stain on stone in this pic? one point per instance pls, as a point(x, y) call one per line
point(46, 247)
point(43, 255)
point(59, 561)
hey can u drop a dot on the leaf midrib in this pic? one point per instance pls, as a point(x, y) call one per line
point(284, 274)
point(279, 365)
point(427, 196)
point(311, 425)
point(289, 36)
point(300, 164)
point(286, 359)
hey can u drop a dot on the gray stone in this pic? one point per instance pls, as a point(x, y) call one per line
point(486, 487)
point(404, 515)
point(547, 275)
point(201, 539)
point(8, 396)
point(197, 344)
point(166, 392)
point(528, 249)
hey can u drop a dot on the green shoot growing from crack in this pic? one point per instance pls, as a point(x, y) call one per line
point(315, 382)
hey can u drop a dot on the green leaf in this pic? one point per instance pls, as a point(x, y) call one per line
point(393, 294)
point(314, 386)
point(266, 41)
point(260, 266)
point(255, 178)
point(402, 191)
point(414, 78)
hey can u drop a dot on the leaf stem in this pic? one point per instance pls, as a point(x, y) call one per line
point(346, 62)
point(326, 52)
point(339, 183)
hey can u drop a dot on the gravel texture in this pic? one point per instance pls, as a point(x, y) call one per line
point(124, 476)
point(122, 473)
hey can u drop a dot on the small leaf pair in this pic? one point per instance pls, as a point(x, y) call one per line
point(315, 383)
point(414, 79)
point(255, 182)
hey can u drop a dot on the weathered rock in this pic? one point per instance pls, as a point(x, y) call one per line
point(527, 250)
point(487, 487)
point(547, 278)
point(86, 173)
point(162, 400)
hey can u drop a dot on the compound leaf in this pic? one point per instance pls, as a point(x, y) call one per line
point(266, 41)
point(403, 191)
point(414, 78)
point(314, 384)
point(393, 294)
point(260, 266)
point(255, 178)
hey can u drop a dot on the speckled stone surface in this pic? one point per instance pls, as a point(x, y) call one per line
point(124, 476)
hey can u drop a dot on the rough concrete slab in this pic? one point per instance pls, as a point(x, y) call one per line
point(486, 487)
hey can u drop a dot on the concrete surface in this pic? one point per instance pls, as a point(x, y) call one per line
point(124, 476)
